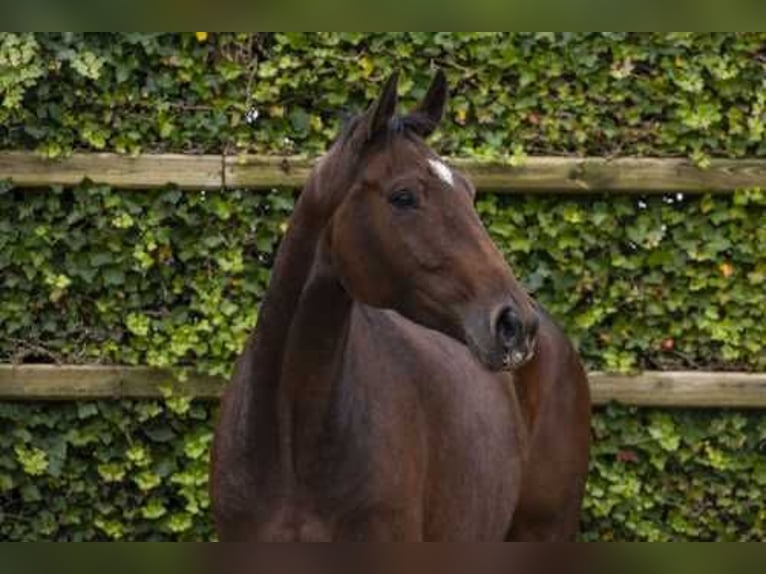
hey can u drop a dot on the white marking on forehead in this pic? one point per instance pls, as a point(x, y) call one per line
point(442, 171)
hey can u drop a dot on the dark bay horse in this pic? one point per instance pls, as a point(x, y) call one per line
point(400, 383)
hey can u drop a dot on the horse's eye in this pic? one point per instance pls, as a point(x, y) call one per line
point(403, 199)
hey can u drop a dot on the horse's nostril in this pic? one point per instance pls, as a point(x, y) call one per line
point(508, 327)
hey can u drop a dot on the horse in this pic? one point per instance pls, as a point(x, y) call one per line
point(400, 384)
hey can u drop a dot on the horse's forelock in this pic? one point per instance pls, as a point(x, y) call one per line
point(417, 123)
point(414, 123)
point(345, 156)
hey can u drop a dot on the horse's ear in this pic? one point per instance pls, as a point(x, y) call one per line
point(379, 114)
point(430, 110)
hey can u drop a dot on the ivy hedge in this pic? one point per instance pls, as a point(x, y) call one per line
point(170, 278)
point(173, 279)
point(597, 94)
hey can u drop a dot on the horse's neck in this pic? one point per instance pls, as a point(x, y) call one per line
point(313, 358)
point(257, 388)
point(251, 403)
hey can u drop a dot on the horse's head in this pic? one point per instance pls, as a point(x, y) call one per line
point(404, 234)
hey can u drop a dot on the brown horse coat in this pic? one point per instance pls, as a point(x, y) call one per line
point(377, 398)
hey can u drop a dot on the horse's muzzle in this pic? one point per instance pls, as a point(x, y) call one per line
point(502, 340)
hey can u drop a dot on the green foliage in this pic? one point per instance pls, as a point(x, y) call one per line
point(20, 68)
point(137, 471)
point(160, 278)
point(104, 471)
point(168, 278)
point(596, 93)
point(676, 475)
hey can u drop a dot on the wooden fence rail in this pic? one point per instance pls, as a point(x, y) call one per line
point(536, 175)
point(651, 388)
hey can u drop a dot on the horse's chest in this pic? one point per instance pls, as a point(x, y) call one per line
point(411, 468)
point(332, 499)
point(474, 457)
point(404, 455)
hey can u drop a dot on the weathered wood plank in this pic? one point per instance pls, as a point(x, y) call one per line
point(681, 389)
point(651, 388)
point(254, 172)
point(536, 175)
point(541, 174)
point(72, 382)
point(624, 175)
point(27, 169)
